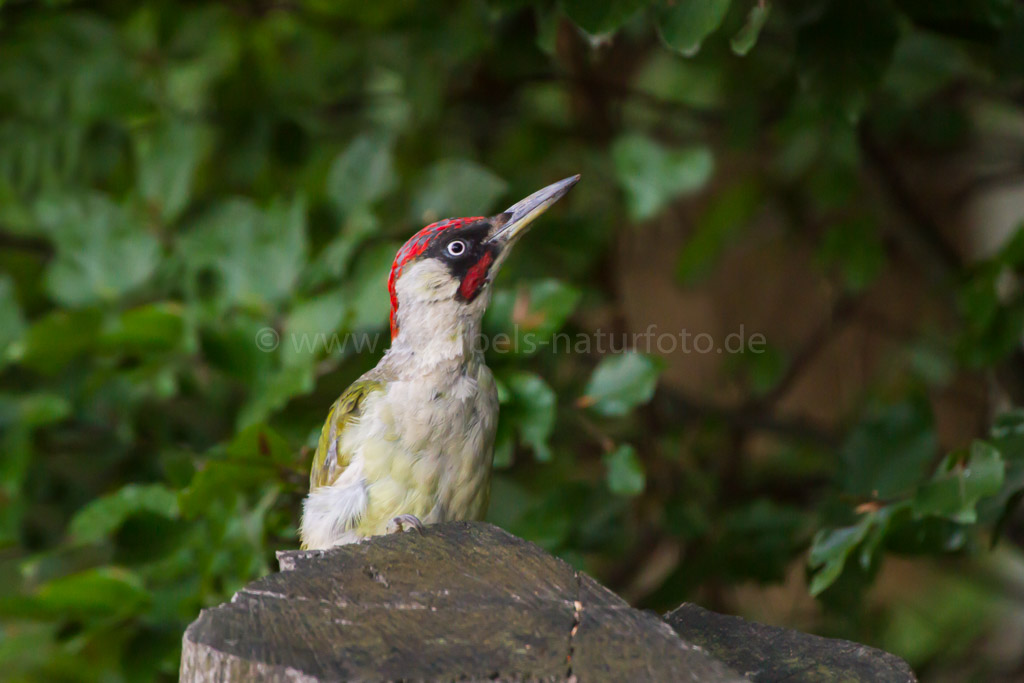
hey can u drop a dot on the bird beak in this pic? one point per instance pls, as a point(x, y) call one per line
point(517, 218)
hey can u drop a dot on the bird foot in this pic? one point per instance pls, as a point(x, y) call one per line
point(401, 522)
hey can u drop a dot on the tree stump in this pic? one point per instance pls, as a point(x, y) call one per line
point(463, 601)
point(764, 654)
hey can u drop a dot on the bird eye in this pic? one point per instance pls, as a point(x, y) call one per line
point(457, 248)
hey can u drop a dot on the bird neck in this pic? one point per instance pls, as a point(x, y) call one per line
point(438, 340)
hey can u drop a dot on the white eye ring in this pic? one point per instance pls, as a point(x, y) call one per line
point(457, 248)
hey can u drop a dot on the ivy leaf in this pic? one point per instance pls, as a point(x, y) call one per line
point(684, 24)
point(744, 41)
point(103, 250)
point(620, 383)
point(105, 515)
point(652, 176)
point(624, 471)
point(361, 174)
point(456, 187)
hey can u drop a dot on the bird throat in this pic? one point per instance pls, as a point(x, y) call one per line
point(445, 338)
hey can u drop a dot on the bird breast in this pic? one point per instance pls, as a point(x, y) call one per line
point(438, 413)
point(430, 441)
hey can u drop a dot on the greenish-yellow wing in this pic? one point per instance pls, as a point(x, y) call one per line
point(329, 461)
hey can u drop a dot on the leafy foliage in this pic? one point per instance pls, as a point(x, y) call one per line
point(199, 204)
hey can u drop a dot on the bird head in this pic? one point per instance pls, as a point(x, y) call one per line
point(444, 270)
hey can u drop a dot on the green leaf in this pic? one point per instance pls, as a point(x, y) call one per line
point(758, 540)
point(652, 176)
point(216, 483)
point(744, 41)
point(335, 258)
point(992, 329)
point(249, 464)
point(167, 156)
point(260, 441)
point(239, 254)
point(700, 84)
point(312, 326)
point(889, 452)
point(39, 409)
point(368, 295)
point(20, 416)
point(845, 50)
point(272, 392)
point(684, 24)
point(362, 174)
point(156, 327)
point(504, 447)
point(531, 409)
point(56, 339)
point(620, 383)
point(103, 250)
point(598, 18)
point(624, 471)
point(102, 591)
point(960, 483)
point(762, 368)
point(829, 551)
point(854, 248)
point(241, 347)
point(720, 225)
point(1008, 434)
point(103, 516)
point(923, 64)
point(1012, 253)
point(525, 320)
point(12, 324)
point(456, 187)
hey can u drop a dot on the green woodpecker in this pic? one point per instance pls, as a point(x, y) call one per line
point(411, 441)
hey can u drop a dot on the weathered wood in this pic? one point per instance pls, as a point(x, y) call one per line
point(766, 654)
point(461, 602)
point(468, 601)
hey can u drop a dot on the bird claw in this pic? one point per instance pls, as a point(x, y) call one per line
point(399, 524)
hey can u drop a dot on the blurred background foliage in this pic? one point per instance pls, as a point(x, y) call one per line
point(184, 184)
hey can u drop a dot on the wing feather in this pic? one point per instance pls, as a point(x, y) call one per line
point(330, 461)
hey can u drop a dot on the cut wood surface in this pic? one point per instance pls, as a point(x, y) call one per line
point(463, 601)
